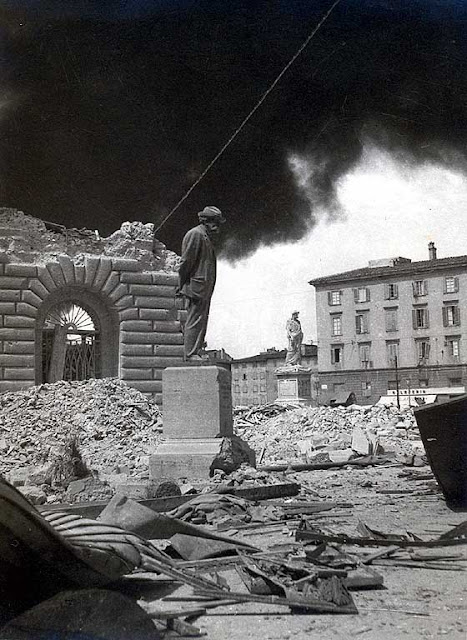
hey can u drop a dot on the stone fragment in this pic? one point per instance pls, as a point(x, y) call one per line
point(34, 494)
point(232, 454)
point(360, 442)
point(88, 489)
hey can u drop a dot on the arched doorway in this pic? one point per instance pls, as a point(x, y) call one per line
point(76, 336)
point(70, 344)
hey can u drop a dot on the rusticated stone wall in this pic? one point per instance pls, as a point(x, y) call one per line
point(135, 311)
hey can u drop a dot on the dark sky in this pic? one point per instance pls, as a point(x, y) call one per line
point(110, 110)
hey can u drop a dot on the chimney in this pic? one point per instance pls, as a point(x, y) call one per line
point(432, 250)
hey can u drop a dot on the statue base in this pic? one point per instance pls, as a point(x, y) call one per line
point(198, 425)
point(294, 384)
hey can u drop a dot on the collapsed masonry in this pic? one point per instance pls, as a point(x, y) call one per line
point(74, 305)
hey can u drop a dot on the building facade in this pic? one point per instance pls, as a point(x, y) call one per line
point(393, 323)
point(253, 379)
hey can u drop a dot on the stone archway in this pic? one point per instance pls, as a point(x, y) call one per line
point(76, 337)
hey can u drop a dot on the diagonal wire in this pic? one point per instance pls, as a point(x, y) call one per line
point(247, 118)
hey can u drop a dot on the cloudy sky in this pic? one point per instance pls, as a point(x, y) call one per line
point(110, 111)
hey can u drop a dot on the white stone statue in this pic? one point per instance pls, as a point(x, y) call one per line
point(295, 338)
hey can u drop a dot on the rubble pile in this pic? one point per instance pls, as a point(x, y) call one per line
point(112, 425)
point(28, 239)
point(325, 434)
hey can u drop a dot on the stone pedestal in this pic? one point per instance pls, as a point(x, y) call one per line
point(198, 425)
point(294, 384)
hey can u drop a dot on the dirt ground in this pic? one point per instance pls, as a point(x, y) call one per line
point(413, 604)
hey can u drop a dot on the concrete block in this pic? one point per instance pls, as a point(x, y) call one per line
point(21, 270)
point(19, 321)
point(136, 350)
point(146, 386)
point(125, 264)
point(39, 289)
point(168, 338)
point(67, 269)
point(103, 272)
point(46, 279)
point(19, 347)
point(9, 295)
point(16, 360)
point(112, 281)
point(152, 290)
point(31, 298)
point(136, 325)
point(17, 334)
point(188, 458)
point(137, 374)
point(7, 307)
point(91, 265)
point(197, 402)
point(15, 385)
point(25, 309)
point(169, 350)
point(79, 273)
point(9, 282)
point(56, 273)
point(154, 302)
point(128, 314)
point(154, 314)
point(136, 278)
point(119, 291)
point(126, 301)
point(141, 362)
point(161, 277)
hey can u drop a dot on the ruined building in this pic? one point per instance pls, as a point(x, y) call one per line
point(393, 323)
point(75, 306)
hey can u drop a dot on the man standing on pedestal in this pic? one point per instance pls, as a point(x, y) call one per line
point(197, 277)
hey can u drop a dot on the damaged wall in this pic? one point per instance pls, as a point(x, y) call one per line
point(127, 292)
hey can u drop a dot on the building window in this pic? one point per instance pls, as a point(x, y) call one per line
point(391, 291)
point(262, 374)
point(423, 350)
point(391, 320)
point(455, 382)
point(236, 374)
point(336, 325)
point(451, 284)
point(262, 388)
point(245, 389)
point(334, 297)
point(361, 323)
point(237, 388)
point(364, 352)
point(337, 354)
point(362, 294)
point(420, 288)
point(263, 399)
point(423, 383)
point(392, 351)
point(366, 389)
point(255, 388)
point(255, 400)
point(392, 384)
point(244, 376)
point(451, 315)
point(420, 318)
point(453, 347)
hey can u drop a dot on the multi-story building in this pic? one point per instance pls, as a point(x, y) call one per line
point(254, 380)
point(393, 323)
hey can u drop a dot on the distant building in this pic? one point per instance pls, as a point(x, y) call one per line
point(253, 378)
point(218, 356)
point(393, 322)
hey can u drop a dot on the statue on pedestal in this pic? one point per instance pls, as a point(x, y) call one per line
point(197, 277)
point(295, 338)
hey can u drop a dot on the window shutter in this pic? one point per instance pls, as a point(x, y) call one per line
point(329, 297)
point(341, 293)
point(386, 291)
point(427, 349)
point(414, 318)
point(357, 324)
point(368, 294)
point(457, 316)
point(456, 284)
point(427, 319)
point(396, 290)
point(445, 316)
point(355, 295)
point(425, 287)
point(414, 288)
point(333, 360)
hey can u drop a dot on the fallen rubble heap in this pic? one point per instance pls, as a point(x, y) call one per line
point(330, 434)
point(111, 426)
